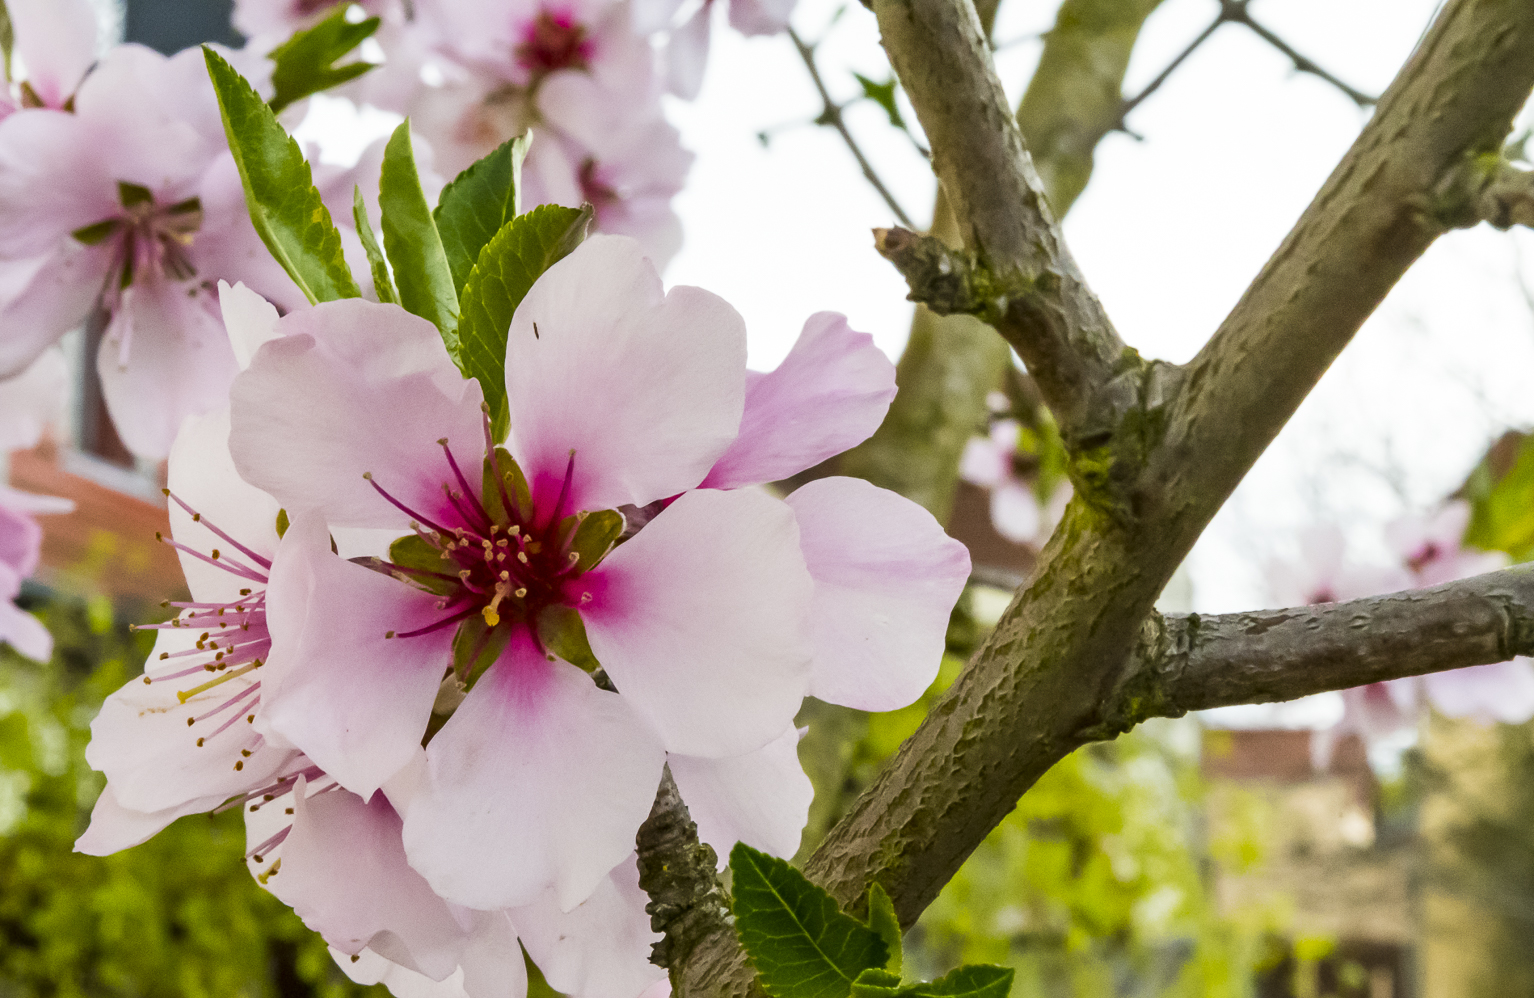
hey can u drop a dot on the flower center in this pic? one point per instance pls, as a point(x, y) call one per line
point(553, 41)
point(497, 563)
point(150, 239)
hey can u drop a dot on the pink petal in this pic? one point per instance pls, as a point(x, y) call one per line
point(761, 798)
point(601, 948)
point(353, 700)
point(353, 387)
point(687, 54)
point(702, 621)
point(56, 40)
point(760, 17)
point(1015, 513)
point(647, 389)
point(344, 873)
point(250, 319)
point(54, 179)
point(886, 580)
point(165, 356)
point(48, 296)
point(830, 394)
point(25, 633)
point(1501, 692)
point(539, 778)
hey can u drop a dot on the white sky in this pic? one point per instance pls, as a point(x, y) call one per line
point(1169, 233)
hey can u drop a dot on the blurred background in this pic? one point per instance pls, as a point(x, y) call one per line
point(1215, 856)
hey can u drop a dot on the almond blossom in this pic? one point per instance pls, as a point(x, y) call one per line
point(130, 205)
point(55, 43)
point(688, 39)
point(706, 607)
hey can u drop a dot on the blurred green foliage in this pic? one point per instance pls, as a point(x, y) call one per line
point(177, 917)
point(1100, 884)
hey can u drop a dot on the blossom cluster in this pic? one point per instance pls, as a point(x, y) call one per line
point(1428, 550)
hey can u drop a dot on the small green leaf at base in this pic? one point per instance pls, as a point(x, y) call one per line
point(505, 271)
point(476, 647)
point(411, 241)
point(286, 209)
point(974, 981)
point(383, 285)
point(478, 204)
point(800, 942)
point(305, 64)
point(595, 537)
point(883, 920)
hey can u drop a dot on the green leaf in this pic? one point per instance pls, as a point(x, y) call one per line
point(876, 983)
point(1501, 495)
point(133, 195)
point(424, 565)
point(285, 207)
point(509, 500)
point(383, 286)
point(883, 920)
point(977, 980)
point(505, 270)
point(883, 94)
point(562, 632)
point(478, 204)
point(801, 944)
point(305, 64)
point(595, 537)
point(410, 236)
point(476, 646)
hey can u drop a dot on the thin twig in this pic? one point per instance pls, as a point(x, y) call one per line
point(832, 115)
point(1154, 85)
point(1236, 12)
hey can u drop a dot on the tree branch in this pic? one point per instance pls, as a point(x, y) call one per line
point(1195, 662)
point(1236, 12)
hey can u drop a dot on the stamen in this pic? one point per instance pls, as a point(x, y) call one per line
point(232, 568)
point(403, 508)
point(495, 467)
point(197, 518)
point(463, 482)
point(439, 625)
point(186, 695)
point(564, 490)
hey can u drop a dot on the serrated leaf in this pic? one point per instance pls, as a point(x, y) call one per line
point(883, 920)
point(421, 273)
point(801, 944)
point(423, 564)
point(476, 646)
point(305, 64)
point(876, 983)
point(883, 94)
point(977, 980)
point(562, 632)
point(383, 286)
point(595, 537)
point(478, 204)
point(287, 210)
point(506, 269)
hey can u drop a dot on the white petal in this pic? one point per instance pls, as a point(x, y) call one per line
point(761, 798)
point(601, 948)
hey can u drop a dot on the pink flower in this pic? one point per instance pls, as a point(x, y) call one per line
point(1325, 574)
point(712, 619)
point(133, 205)
point(55, 43)
point(688, 42)
point(281, 18)
point(1016, 510)
point(1432, 547)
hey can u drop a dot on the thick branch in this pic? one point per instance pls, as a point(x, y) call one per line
point(1195, 662)
point(1061, 332)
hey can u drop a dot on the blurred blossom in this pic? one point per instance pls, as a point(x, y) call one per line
point(994, 463)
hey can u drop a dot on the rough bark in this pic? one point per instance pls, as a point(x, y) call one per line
point(1198, 661)
point(951, 362)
